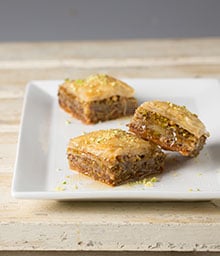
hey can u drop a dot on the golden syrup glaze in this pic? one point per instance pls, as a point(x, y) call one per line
point(180, 115)
point(111, 143)
point(97, 87)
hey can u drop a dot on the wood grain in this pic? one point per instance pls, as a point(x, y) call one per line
point(94, 226)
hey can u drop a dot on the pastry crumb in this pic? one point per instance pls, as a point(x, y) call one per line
point(59, 188)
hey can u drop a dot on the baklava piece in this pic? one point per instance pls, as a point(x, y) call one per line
point(114, 156)
point(97, 98)
point(170, 126)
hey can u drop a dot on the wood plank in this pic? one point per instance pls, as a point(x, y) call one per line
point(10, 111)
point(8, 138)
point(8, 146)
point(104, 253)
point(201, 47)
point(7, 157)
point(11, 91)
point(198, 70)
point(109, 63)
point(51, 225)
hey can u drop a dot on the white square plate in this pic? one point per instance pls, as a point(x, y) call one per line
point(41, 169)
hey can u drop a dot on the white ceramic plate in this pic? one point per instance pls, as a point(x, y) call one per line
point(41, 169)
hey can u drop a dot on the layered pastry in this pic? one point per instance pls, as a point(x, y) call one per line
point(170, 126)
point(114, 156)
point(97, 98)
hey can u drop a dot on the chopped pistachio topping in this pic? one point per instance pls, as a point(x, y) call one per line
point(79, 81)
point(64, 182)
point(170, 104)
point(154, 179)
point(68, 122)
point(149, 184)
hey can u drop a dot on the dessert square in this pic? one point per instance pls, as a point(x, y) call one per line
point(114, 156)
point(97, 98)
point(170, 126)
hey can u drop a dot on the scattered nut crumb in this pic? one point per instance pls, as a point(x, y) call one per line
point(191, 190)
point(154, 179)
point(149, 184)
point(67, 122)
point(59, 188)
point(76, 186)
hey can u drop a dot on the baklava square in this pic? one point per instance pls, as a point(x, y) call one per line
point(97, 98)
point(114, 156)
point(170, 126)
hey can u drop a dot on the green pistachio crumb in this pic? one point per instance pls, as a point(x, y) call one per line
point(79, 81)
point(154, 179)
point(68, 122)
point(148, 184)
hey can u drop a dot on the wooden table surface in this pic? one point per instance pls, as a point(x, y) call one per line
point(100, 226)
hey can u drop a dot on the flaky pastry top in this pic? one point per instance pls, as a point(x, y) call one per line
point(180, 115)
point(108, 144)
point(97, 87)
